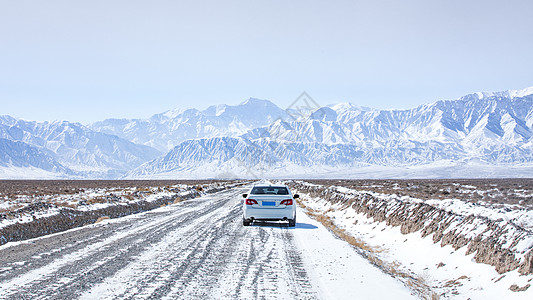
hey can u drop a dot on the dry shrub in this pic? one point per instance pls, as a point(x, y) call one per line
point(328, 223)
point(455, 282)
point(102, 219)
point(516, 288)
point(65, 204)
point(199, 188)
point(177, 200)
point(129, 196)
point(95, 200)
point(10, 209)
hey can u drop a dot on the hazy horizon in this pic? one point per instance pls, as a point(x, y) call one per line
point(216, 104)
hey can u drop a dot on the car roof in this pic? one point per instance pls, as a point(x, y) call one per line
point(271, 185)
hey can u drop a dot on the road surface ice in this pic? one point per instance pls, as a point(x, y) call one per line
point(196, 249)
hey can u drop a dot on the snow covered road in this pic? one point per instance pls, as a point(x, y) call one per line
point(196, 249)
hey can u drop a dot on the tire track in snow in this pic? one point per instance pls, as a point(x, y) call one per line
point(184, 259)
point(196, 249)
point(72, 271)
point(266, 266)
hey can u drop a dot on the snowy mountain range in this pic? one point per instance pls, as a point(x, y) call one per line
point(483, 128)
point(67, 149)
point(487, 131)
point(166, 130)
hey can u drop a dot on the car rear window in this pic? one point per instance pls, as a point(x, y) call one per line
point(269, 190)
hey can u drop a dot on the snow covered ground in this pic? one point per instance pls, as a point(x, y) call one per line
point(338, 270)
point(449, 272)
point(12, 172)
point(198, 248)
point(443, 169)
point(195, 249)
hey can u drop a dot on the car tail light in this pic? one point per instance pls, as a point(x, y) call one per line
point(250, 202)
point(286, 202)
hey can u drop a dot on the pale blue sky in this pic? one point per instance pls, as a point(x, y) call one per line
point(90, 60)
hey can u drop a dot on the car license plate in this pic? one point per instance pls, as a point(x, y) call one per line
point(269, 203)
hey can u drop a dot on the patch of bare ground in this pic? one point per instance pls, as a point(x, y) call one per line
point(14, 188)
point(514, 191)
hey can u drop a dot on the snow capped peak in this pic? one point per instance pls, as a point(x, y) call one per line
point(62, 123)
point(9, 120)
point(521, 93)
point(348, 106)
point(342, 106)
point(174, 112)
point(503, 94)
point(220, 109)
point(256, 101)
point(324, 114)
point(215, 110)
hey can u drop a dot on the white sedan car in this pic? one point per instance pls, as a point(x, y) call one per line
point(269, 203)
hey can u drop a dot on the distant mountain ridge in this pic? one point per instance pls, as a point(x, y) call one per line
point(19, 154)
point(166, 130)
point(73, 149)
point(468, 121)
point(241, 156)
point(258, 139)
point(488, 128)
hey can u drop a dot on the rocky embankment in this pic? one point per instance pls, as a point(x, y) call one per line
point(497, 242)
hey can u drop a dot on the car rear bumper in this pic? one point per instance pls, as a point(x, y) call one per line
point(268, 213)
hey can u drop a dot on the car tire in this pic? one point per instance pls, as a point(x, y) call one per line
point(292, 223)
point(246, 222)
